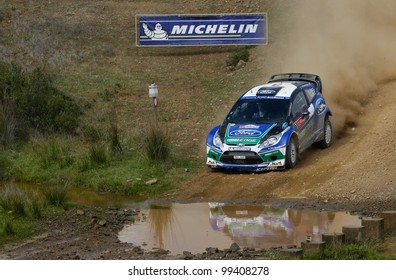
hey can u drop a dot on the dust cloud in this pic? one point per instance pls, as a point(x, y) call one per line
point(350, 44)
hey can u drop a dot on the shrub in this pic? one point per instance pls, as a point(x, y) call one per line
point(8, 228)
point(156, 144)
point(57, 196)
point(7, 120)
point(12, 80)
point(36, 208)
point(114, 140)
point(62, 114)
point(91, 134)
point(4, 166)
point(54, 152)
point(36, 102)
point(98, 154)
point(356, 251)
point(13, 199)
point(235, 57)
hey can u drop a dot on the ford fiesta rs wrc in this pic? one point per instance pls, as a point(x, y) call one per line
point(271, 124)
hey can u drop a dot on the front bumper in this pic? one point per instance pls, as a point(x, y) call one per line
point(270, 159)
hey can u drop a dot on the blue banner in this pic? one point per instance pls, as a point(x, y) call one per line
point(196, 30)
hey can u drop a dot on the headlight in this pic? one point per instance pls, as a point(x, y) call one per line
point(272, 140)
point(217, 141)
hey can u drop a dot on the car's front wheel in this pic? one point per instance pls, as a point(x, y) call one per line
point(291, 154)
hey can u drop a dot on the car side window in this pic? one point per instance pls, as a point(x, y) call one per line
point(309, 92)
point(300, 105)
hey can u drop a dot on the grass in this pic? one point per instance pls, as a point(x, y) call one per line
point(15, 228)
point(113, 164)
point(356, 251)
point(19, 213)
point(97, 155)
point(14, 200)
point(157, 144)
point(56, 196)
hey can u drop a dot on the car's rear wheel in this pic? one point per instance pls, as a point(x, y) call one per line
point(291, 154)
point(327, 135)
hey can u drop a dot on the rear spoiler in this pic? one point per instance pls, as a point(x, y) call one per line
point(298, 77)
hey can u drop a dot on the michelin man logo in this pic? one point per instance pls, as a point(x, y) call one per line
point(157, 34)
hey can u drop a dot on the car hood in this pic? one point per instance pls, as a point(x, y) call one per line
point(246, 134)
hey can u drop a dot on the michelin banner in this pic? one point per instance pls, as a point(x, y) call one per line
point(197, 30)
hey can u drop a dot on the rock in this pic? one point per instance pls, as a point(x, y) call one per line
point(240, 64)
point(234, 247)
point(162, 251)
point(102, 223)
point(187, 255)
point(212, 250)
point(152, 182)
point(80, 212)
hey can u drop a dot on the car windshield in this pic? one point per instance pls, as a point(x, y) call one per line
point(259, 111)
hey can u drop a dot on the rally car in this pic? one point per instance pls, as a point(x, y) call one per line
point(271, 124)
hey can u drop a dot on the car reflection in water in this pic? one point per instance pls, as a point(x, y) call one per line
point(186, 227)
point(260, 226)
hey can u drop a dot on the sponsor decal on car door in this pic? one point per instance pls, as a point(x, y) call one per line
point(304, 127)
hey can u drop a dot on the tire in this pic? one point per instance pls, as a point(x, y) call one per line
point(291, 154)
point(327, 135)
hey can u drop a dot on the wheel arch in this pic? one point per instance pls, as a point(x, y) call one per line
point(295, 137)
point(211, 134)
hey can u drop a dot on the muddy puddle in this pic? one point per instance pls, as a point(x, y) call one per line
point(195, 227)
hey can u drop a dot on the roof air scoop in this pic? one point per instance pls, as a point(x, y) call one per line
point(268, 90)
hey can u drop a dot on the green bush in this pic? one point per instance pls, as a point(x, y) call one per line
point(157, 144)
point(11, 81)
point(36, 208)
point(57, 196)
point(235, 57)
point(98, 154)
point(31, 100)
point(13, 199)
point(4, 166)
point(355, 251)
point(8, 228)
point(115, 143)
point(8, 122)
point(53, 152)
point(91, 134)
